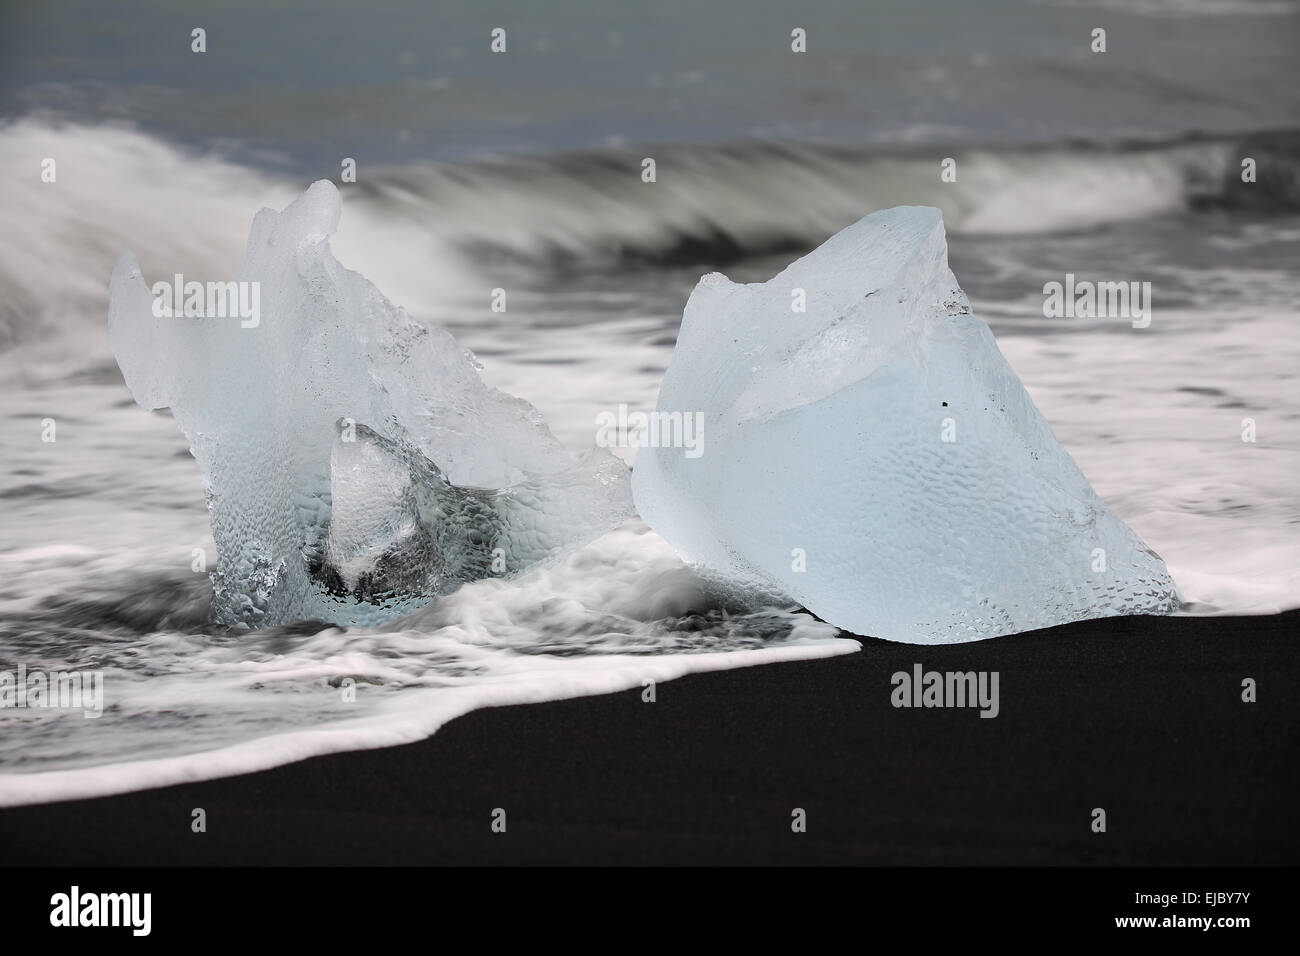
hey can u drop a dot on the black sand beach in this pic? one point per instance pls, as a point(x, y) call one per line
point(1140, 716)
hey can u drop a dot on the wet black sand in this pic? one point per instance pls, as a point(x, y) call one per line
point(1140, 716)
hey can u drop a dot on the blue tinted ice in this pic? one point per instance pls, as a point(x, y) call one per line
point(876, 459)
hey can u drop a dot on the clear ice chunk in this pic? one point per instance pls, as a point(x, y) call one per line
point(355, 463)
point(399, 529)
point(875, 458)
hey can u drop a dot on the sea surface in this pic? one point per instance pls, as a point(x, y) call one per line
point(522, 171)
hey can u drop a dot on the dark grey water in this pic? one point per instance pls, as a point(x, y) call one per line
point(301, 84)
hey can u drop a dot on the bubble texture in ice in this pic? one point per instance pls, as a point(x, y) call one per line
point(875, 457)
point(356, 465)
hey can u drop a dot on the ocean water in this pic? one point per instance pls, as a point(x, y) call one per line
point(522, 171)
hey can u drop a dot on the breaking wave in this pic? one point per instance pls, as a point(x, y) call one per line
point(121, 188)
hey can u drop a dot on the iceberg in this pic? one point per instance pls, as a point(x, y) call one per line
point(869, 453)
point(356, 465)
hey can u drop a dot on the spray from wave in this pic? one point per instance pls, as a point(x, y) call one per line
point(744, 199)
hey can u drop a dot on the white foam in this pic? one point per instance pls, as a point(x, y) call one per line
point(181, 707)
